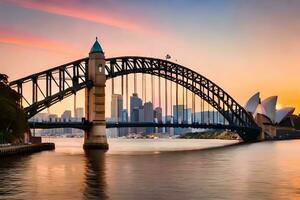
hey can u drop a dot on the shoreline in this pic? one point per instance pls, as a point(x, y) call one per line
point(25, 149)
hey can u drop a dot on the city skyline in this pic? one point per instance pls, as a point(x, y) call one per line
point(209, 37)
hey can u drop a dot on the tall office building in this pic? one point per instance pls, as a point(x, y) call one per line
point(148, 116)
point(181, 115)
point(66, 116)
point(178, 113)
point(188, 115)
point(135, 103)
point(40, 117)
point(209, 117)
point(148, 112)
point(141, 118)
point(124, 116)
point(116, 113)
point(116, 107)
point(79, 114)
point(158, 114)
point(158, 118)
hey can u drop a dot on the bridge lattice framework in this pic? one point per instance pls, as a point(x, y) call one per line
point(53, 85)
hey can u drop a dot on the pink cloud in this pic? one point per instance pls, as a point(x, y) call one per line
point(60, 8)
point(13, 37)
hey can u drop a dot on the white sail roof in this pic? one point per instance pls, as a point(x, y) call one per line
point(283, 113)
point(269, 107)
point(252, 103)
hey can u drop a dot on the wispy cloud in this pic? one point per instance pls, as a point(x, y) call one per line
point(73, 10)
point(13, 37)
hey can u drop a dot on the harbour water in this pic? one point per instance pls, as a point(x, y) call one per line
point(155, 169)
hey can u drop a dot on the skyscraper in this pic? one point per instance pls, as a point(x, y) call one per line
point(78, 113)
point(116, 112)
point(178, 113)
point(116, 107)
point(148, 115)
point(124, 115)
point(135, 103)
point(158, 117)
point(148, 112)
point(66, 116)
point(158, 114)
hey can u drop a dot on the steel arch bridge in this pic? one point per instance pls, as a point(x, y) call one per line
point(51, 86)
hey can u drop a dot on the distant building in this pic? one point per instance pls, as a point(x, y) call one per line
point(116, 113)
point(188, 115)
point(135, 103)
point(40, 117)
point(148, 116)
point(148, 112)
point(53, 118)
point(79, 114)
point(206, 117)
point(181, 115)
point(66, 116)
point(158, 114)
point(158, 118)
point(124, 115)
point(134, 115)
point(178, 114)
point(116, 107)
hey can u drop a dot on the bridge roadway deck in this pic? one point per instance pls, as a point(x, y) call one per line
point(84, 125)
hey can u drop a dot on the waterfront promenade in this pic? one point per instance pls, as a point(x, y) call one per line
point(25, 149)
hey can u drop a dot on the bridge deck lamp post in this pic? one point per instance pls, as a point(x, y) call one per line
point(95, 137)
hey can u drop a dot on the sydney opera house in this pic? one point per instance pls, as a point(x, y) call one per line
point(275, 123)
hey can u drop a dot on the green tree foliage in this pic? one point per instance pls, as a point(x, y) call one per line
point(13, 121)
point(223, 135)
point(296, 120)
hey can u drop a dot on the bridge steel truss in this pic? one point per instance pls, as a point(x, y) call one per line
point(53, 85)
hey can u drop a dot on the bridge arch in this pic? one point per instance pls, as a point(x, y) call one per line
point(77, 74)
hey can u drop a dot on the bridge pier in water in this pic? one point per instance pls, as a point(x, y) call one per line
point(95, 137)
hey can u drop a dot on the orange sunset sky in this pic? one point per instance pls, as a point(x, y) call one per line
point(243, 46)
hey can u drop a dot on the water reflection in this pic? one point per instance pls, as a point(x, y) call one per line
point(11, 176)
point(95, 184)
point(268, 170)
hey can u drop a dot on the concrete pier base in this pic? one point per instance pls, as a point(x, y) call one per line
point(95, 138)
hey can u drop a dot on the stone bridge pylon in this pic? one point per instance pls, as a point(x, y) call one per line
point(95, 137)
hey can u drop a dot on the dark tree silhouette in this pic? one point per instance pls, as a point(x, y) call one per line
point(4, 78)
point(13, 121)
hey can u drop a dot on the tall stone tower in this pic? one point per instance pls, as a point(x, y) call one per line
point(95, 137)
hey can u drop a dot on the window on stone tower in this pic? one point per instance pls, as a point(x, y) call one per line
point(100, 67)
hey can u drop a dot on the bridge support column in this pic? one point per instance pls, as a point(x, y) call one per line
point(95, 137)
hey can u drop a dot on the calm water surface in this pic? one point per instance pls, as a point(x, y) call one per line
point(155, 169)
